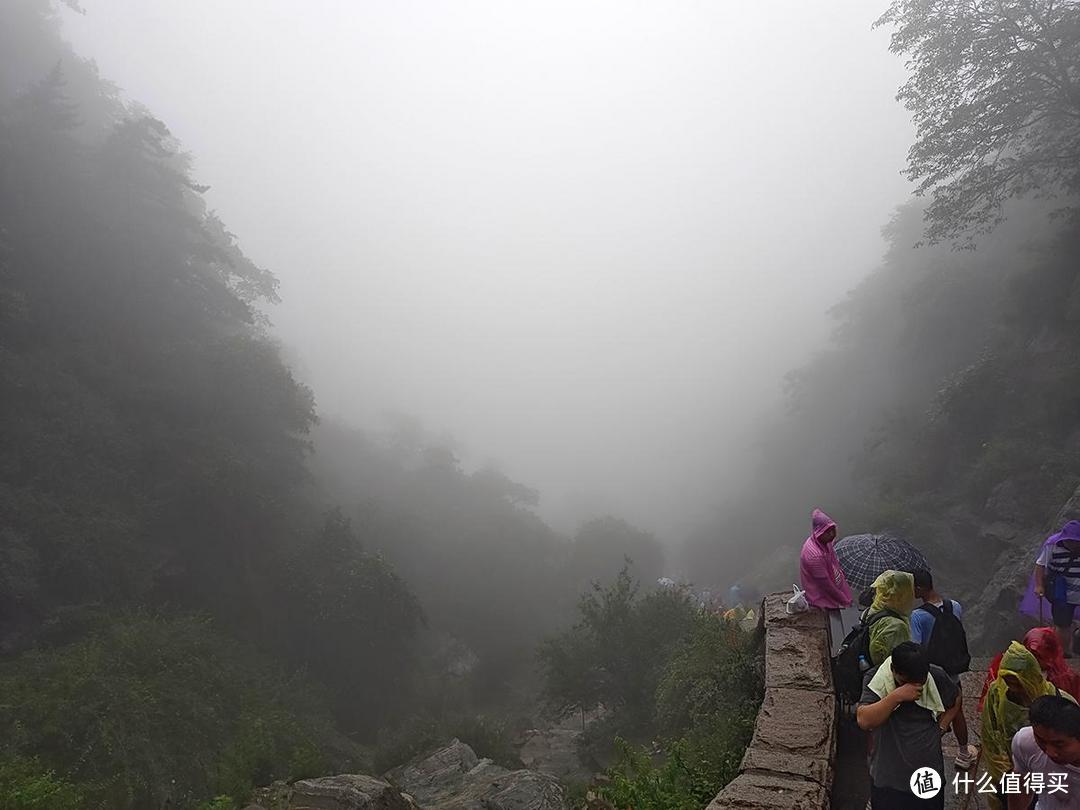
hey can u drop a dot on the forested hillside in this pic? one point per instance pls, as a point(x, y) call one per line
point(948, 404)
point(204, 588)
point(191, 602)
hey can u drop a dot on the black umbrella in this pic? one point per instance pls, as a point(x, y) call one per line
point(864, 556)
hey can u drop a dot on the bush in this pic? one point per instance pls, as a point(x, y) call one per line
point(616, 653)
point(639, 783)
point(26, 785)
point(706, 706)
point(150, 710)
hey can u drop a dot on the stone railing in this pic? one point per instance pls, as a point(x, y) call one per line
point(789, 763)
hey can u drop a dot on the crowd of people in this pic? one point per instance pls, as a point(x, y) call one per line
point(908, 652)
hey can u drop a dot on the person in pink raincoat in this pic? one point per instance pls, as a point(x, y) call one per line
point(819, 567)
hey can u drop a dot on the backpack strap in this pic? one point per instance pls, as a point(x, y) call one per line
point(881, 614)
point(938, 612)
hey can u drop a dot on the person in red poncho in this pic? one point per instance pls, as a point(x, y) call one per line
point(1044, 644)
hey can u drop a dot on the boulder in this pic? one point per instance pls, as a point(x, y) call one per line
point(348, 791)
point(453, 778)
point(427, 777)
point(993, 619)
point(554, 751)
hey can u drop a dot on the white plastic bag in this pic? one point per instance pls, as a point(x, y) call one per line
point(797, 603)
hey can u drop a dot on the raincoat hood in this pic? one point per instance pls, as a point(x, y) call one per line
point(1020, 662)
point(894, 590)
point(1070, 531)
point(1045, 646)
point(1001, 717)
point(821, 523)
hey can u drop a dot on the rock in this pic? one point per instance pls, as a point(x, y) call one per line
point(754, 791)
point(797, 722)
point(797, 657)
point(453, 778)
point(524, 790)
point(776, 614)
point(1005, 501)
point(995, 618)
point(1070, 511)
point(764, 760)
point(347, 792)
point(554, 751)
point(432, 775)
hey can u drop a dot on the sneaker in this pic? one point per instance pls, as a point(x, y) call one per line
point(966, 758)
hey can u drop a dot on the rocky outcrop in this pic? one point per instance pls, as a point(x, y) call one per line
point(789, 763)
point(343, 792)
point(994, 618)
point(554, 751)
point(347, 792)
point(454, 778)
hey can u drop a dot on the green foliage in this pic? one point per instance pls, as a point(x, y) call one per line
point(617, 651)
point(453, 535)
point(992, 93)
point(26, 785)
point(331, 584)
point(149, 709)
point(217, 803)
point(706, 706)
point(636, 781)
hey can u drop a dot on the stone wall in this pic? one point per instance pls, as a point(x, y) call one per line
point(789, 763)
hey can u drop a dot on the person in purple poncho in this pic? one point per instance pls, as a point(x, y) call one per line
point(819, 567)
point(1057, 579)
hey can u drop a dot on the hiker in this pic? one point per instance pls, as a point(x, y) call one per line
point(1057, 579)
point(1019, 682)
point(894, 597)
point(819, 567)
point(936, 626)
point(906, 704)
point(1050, 745)
point(1044, 644)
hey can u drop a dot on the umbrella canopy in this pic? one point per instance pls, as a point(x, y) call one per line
point(864, 556)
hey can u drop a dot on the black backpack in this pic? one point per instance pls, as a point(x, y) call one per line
point(848, 672)
point(947, 646)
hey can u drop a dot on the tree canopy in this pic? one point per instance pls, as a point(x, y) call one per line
point(995, 96)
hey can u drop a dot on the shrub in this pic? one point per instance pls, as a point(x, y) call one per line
point(151, 709)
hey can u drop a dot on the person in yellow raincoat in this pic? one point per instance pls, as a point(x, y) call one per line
point(894, 595)
point(1019, 681)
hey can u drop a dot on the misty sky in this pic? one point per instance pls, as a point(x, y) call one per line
point(586, 239)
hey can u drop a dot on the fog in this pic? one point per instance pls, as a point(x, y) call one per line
point(586, 240)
